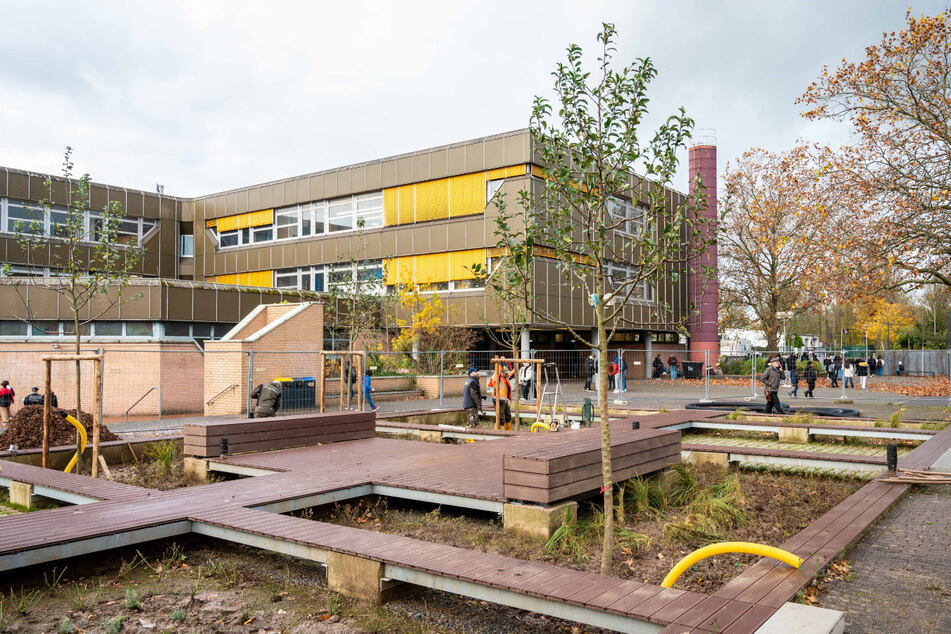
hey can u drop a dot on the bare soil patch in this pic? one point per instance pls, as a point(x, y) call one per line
point(650, 539)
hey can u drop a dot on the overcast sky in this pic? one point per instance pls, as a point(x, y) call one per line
point(205, 96)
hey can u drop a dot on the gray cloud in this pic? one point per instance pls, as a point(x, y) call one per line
point(206, 96)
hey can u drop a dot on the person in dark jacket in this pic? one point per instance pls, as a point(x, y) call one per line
point(268, 396)
point(863, 372)
point(351, 374)
point(793, 377)
point(674, 366)
point(658, 367)
point(772, 377)
point(810, 375)
point(34, 397)
point(472, 398)
point(590, 369)
point(833, 374)
point(7, 398)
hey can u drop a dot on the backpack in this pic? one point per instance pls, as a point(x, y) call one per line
point(6, 397)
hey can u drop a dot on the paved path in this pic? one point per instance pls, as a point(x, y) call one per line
point(901, 571)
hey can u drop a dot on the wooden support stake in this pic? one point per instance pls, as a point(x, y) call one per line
point(96, 398)
point(323, 382)
point(105, 468)
point(498, 401)
point(360, 371)
point(342, 385)
point(46, 410)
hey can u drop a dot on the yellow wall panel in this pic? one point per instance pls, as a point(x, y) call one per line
point(460, 263)
point(468, 195)
point(407, 207)
point(260, 218)
point(432, 200)
point(495, 174)
point(228, 223)
point(432, 268)
point(211, 223)
point(391, 206)
point(515, 170)
point(261, 278)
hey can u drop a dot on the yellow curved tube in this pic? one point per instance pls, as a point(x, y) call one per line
point(729, 547)
point(537, 426)
point(82, 442)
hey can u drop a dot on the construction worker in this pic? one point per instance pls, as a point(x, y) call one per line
point(500, 385)
point(268, 396)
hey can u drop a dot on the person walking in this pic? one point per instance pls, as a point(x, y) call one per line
point(525, 375)
point(268, 396)
point(833, 374)
point(863, 373)
point(368, 389)
point(622, 366)
point(771, 379)
point(7, 399)
point(613, 377)
point(793, 377)
point(879, 366)
point(849, 374)
point(500, 387)
point(351, 374)
point(810, 375)
point(674, 366)
point(590, 369)
point(658, 367)
point(472, 398)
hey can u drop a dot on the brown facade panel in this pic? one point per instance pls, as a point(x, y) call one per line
point(315, 188)
point(330, 185)
point(3, 181)
point(439, 237)
point(457, 237)
point(228, 307)
point(421, 240)
point(18, 186)
point(388, 243)
point(516, 149)
point(421, 171)
point(494, 153)
point(404, 242)
point(38, 189)
point(404, 170)
point(475, 156)
point(277, 195)
point(344, 186)
point(373, 245)
point(179, 307)
point(457, 159)
point(388, 173)
point(439, 163)
point(374, 176)
point(254, 201)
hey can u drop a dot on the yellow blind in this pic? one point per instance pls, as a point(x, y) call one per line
point(407, 207)
point(211, 223)
point(432, 200)
point(432, 268)
point(391, 206)
point(228, 223)
point(468, 195)
point(515, 170)
point(261, 278)
point(537, 171)
point(225, 279)
point(243, 221)
point(460, 263)
point(495, 174)
point(260, 218)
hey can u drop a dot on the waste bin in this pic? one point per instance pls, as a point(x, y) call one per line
point(693, 369)
point(298, 392)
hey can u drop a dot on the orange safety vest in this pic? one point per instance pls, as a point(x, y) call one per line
point(503, 388)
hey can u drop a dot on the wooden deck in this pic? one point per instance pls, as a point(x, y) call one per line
point(124, 515)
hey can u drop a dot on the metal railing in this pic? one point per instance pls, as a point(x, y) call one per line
point(141, 398)
point(219, 394)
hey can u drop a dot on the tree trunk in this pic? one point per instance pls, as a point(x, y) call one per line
point(79, 409)
point(607, 547)
point(516, 386)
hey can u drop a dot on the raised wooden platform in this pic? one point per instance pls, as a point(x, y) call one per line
point(279, 432)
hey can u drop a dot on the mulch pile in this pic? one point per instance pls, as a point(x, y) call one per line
point(25, 429)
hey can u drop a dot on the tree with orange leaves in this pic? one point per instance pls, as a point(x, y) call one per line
point(898, 103)
point(776, 207)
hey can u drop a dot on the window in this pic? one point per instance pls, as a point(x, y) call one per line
point(59, 223)
point(340, 215)
point(175, 329)
point(287, 224)
point(127, 232)
point(202, 331)
point(370, 210)
point(55, 221)
point(25, 219)
point(491, 187)
point(320, 218)
point(45, 328)
point(462, 285)
point(631, 217)
point(69, 328)
point(188, 246)
point(287, 278)
point(138, 329)
point(148, 225)
point(228, 239)
point(264, 234)
point(108, 328)
point(13, 328)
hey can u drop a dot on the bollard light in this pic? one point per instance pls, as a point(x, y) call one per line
point(223, 447)
point(635, 425)
point(891, 457)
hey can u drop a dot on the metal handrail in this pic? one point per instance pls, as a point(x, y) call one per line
point(151, 389)
point(215, 397)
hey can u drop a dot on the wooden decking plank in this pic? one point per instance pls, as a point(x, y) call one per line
point(626, 604)
point(751, 620)
point(702, 611)
point(596, 588)
point(603, 600)
point(725, 616)
point(669, 612)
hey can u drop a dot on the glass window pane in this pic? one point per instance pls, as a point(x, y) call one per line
point(228, 239)
point(201, 330)
point(13, 329)
point(108, 328)
point(287, 222)
point(25, 219)
point(147, 225)
point(138, 329)
point(69, 329)
point(305, 222)
point(45, 328)
point(340, 216)
point(319, 282)
point(320, 218)
point(188, 246)
point(174, 329)
point(265, 234)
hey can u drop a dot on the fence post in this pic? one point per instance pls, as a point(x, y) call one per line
point(706, 377)
point(753, 375)
point(442, 367)
point(250, 380)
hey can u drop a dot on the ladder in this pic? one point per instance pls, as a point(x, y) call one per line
point(553, 393)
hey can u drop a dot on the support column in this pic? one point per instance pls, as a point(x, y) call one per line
point(536, 521)
point(648, 355)
point(21, 493)
point(526, 343)
point(597, 357)
point(196, 468)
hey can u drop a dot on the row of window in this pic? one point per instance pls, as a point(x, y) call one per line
point(312, 219)
point(339, 277)
point(115, 329)
point(623, 275)
point(631, 218)
point(28, 218)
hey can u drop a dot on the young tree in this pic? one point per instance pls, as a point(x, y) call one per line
point(611, 232)
point(91, 265)
point(426, 330)
point(898, 102)
point(776, 207)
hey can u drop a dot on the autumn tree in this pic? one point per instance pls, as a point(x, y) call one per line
point(897, 101)
point(612, 234)
point(884, 321)
point(776, 207)
point(423, 329)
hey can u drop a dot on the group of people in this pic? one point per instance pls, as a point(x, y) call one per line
point(617, 373)
point(499, 386)
point(672, 368)
point(836, 369)
point(8, 398)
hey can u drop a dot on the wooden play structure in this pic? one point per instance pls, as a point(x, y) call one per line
point(516, 363)
point(353, 359)
point(96, 409)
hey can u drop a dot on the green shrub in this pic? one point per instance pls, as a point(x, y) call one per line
point(163, 454)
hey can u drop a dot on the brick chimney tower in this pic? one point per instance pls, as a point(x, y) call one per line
point(703, 293)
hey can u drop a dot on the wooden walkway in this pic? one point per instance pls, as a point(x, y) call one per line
point(125, 515)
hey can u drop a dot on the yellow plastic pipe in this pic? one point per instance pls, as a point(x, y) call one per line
point(537, 426)
point(82, 442)
point(729, 547)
